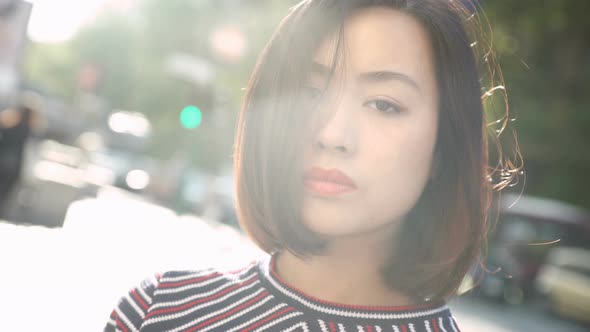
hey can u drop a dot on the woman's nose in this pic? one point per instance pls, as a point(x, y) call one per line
point(339, 130)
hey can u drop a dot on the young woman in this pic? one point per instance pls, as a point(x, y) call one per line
point(361, 169)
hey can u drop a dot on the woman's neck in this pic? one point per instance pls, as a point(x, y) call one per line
point(347, 273)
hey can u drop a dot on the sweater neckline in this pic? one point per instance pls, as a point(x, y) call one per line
point(306, 302)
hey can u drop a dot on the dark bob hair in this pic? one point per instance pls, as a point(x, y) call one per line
point(443, 234)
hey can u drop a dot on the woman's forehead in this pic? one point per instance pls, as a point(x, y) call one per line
point(376, 39)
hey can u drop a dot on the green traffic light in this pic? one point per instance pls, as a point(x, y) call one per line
point(191, 117)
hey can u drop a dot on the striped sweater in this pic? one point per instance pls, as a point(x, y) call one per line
point(257, 299)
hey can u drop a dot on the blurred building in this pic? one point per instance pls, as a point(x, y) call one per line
point(14, 17)
point(15, 113)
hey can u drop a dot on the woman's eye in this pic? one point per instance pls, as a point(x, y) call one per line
point(384, 106)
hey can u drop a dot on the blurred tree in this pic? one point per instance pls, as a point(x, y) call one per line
point(52, 66)
point(544, 51)
point(110, 45)
point(131, 51)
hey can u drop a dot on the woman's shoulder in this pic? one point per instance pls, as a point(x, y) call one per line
point(177, 281)
point(168, 292)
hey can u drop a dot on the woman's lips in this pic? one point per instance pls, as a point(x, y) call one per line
point(327, 182)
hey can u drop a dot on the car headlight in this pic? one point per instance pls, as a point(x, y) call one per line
point(137, 179)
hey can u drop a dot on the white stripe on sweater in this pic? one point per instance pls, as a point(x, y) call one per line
point(179, 289)
point(143, 294)
point(134, 305)
point(125, 320)
point(155, 319)
point(282, 319)
point(441, 325)
point(202, 295)
point(453, 326)
point(302, 325)
point(236, 315)
point(258, 317)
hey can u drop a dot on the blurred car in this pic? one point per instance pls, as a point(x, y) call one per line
point(564, 280)
point(52, 179)
point(528, 229)
point(127, 170)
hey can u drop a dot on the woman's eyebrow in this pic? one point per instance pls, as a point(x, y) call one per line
point(371, 76)
point(386, 75)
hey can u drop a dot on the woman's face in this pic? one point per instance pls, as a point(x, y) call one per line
point(370, 152)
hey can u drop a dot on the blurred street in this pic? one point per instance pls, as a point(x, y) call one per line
point(480, 315)
point(58, 279)
point(73, 276)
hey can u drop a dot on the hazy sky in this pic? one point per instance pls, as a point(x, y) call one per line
point(58, 20)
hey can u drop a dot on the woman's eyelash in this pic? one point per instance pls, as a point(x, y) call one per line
point(380, 105)
point(384, 106)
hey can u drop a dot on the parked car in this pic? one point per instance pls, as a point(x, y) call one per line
point(527, 230)
point(564, 281)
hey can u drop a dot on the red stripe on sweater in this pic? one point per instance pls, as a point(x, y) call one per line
point(404, 329)
point(229, 313)
point(195, 302)
point(121, 325)
point(369, 329)
point(332, 326)
point(188, 281)
point(139, 300)
point(275, 315)
point(435, 325)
